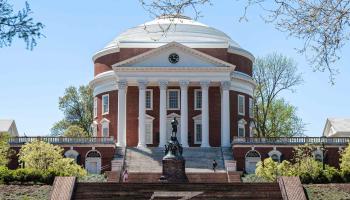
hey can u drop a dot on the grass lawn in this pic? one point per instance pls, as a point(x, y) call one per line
point(328, 191)
point(25, 192)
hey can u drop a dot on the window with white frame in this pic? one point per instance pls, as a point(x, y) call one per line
point(95, 107)
point(197, 132)
point(241, 110)
point(275, 155)
point(241, 128)
point(105, 127)
point(149, 129)
point(318, 155)
point(94, 129)
point(105, 104)
point(197, 99)
point(173, 99)
point(251, 107)
point(251, 129)
point(149, 99)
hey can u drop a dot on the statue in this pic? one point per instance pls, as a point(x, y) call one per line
point(174, 124)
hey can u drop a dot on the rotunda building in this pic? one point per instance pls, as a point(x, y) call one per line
point(173, 67)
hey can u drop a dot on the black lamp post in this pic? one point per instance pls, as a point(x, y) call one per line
point(323, 149)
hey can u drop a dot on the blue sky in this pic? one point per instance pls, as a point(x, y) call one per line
point(32, 81)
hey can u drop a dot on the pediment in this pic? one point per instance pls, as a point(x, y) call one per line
point(187, 57)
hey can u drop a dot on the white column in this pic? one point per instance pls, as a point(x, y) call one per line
point(142, 113)
point(162, 112)
point(225, 114)
point(205, 113)
point(122, 85)
point(184, 112)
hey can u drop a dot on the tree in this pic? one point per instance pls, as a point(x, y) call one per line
point(345, 163)
point(5, 151)
point(77, 106)
point(18, 24)
point(39, 155)
point(281, 120)
point(323, 25)
point(75, 131)
point(274, 74)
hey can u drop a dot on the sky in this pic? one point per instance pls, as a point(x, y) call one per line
point(32, 81)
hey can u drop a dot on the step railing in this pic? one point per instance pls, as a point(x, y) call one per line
point(292, 140)
point(62, 140)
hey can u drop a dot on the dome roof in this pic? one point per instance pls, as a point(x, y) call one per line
point(168, 29)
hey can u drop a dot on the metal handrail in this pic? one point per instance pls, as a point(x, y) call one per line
point(63, 140)
point(292, 140)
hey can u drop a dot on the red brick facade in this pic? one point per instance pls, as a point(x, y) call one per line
point(132, 99)
point(104, 63)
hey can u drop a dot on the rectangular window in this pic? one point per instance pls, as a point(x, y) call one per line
point(149, 132)
point(241, 131)
point(241, 110)
point(198, 133)
point(173, 99)
point(95, 107)
point(149, 99)
point(105, 129)
point(251, 107)
point(197, 99)
point(105, 104)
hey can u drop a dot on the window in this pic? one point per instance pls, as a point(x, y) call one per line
point(241, 110)
point(251, 107)
point(173, 99)
point(149, 99)
point(105, 104)
point(105, 127)
point(197, 99)
point(198, 133)
point(318, 155)
point(149, 129)
point(241, 128)
point(95, 107)
point(275, 155)
point(94, 129)
point(251, 129)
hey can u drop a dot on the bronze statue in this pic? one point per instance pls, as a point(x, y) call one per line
point(174, 124)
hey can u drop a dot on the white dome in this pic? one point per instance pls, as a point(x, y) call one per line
point(181, 29)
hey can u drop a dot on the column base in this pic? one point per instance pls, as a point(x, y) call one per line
point(141, 145)
point(205, 145)
point(120, 144)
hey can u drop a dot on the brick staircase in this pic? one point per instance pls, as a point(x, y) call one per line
point(105, 191)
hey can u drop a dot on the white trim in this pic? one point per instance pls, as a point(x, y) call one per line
point(251, 107)
point(95, 107)
point(275, 152)
point(238, 104)
point(241, 125)
point(151, 96)
point(103, 110)
point(178, 99)
point(182, 47)
point(195, 99)
point(149, 119)
point(105, 124)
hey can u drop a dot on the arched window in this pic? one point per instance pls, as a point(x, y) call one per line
point(252, 157)
point(72, 154)
point(241, 128)
point(93, 162)
point(275, 155)
point(105, 127)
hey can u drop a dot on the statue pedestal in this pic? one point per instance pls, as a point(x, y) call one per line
point(174, 171)
point(173, 163)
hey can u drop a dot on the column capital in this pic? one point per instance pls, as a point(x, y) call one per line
point(204, 84)
point(225, 85)
point(163, 84)
point(184, 84)
point(122, 84)
point(142, 84)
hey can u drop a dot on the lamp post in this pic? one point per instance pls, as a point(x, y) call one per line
point(323, 149)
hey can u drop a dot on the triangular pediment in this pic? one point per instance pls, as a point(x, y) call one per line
point(184, 57)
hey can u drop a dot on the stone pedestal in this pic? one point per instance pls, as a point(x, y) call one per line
point(173, 163)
